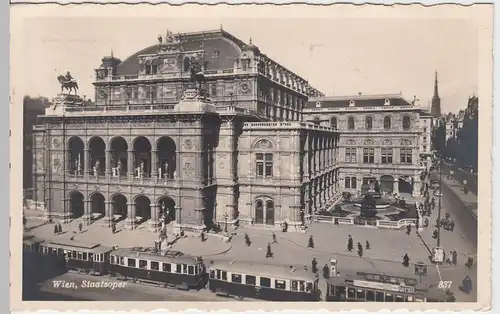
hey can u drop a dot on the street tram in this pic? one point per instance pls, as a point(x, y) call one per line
point(365, 287)
point(147, 265)
point(77, 256)
point(266, 282)
point(32, 261)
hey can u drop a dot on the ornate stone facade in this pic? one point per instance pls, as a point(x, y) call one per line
point(379, 140)
point(155, 144)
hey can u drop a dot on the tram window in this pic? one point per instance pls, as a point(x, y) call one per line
point(224, 275)
point(389, 297)
point(167, 267)
point(91, 257)
point(143, 264)
point(400, 298)
point(73, 254)
point(309, 287)
point(219, 276)
point(236, 278)
point(351, 293)
point(294, 285)
point(370, 295)
point(360, 294)
point(122, 261)
point(178, 268)
point(212, 273)
point(379, 297)
point(265, 282)
point(131, 262)
point(250, 280)
point(112, 259)
point(80, 255)
point(409, 298)
point(98, 258)
point(155, 265)
point(84, 256)
point(184, 269)
point(302, 285)
point(339, 291)
point(279, 284)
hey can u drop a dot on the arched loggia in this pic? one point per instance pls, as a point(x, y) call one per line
point(119, 157)
point(97, 205)
point(142, 157)
point(142, 208)
point(119, 207)
point(76, 204)
point(167, 208)
point(167, 157)
point(97, 156)
point(75, 155)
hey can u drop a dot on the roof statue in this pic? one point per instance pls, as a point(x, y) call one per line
point(67, 82)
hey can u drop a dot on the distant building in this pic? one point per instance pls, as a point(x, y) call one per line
point(436, 100)
point(380, 139)
point(425, 125)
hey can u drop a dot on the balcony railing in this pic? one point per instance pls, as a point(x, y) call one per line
point(165, 75)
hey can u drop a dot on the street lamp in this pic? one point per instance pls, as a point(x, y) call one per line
point(225, 216)
point(439, 201)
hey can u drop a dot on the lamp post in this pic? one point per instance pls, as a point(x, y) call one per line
point(439, 201)
point(225, 216)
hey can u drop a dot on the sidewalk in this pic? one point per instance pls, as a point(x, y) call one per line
point(469, 199)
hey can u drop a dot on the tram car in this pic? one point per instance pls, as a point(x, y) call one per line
point(171, 269)
point(265, 282)
point(31, 258)
point(365, 287)
point(77, 256)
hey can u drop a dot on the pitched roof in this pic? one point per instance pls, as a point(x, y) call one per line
point(357, 101)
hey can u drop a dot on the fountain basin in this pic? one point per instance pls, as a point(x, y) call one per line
point(380, 203)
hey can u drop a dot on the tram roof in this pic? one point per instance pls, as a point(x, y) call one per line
point(31, 240)
point(150, 254)
point(65, 244)
point(293, 272)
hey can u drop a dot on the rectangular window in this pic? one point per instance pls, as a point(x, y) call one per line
point(154, 92)
point(135, 92)
point(178, 268)
point(155, 265)
point(154, 69)
point(294, 285)
point(113, 259)
point(264, 165)
point(84, 256)
point(379, 297)
point(351, 293)
point(213, 92)
point(350, 155)
point(370, 295)
point(224, 275)
point(265, 282)
point(387, 155)
point(406, 155)
point(236, 278)
point(368, 155)
point(389, 297)
point(131, 262)
point(279, 284)
point(167, 267)
point(360, 295)
point(309, 287)
point(250, 280)
point(79, 255)
point(347, 181)
point(191, 270)
point(122, 261)
point(91, 257)
point(143, 264)
point(302, 285)
point(400, 298)
point(212, 273)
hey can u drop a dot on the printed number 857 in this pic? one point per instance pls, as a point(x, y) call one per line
point(444, 284)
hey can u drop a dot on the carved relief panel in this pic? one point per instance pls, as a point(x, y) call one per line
point(189, 167)
point(56, 163)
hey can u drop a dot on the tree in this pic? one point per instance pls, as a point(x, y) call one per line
point(438, 137)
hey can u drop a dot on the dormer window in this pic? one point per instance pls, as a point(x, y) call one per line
point(352, 103)
point(387, 102)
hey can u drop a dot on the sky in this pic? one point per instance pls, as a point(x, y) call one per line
point(338, 56)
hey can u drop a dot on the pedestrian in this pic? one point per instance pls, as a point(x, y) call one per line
point(314, 265)
point(426, 222)
point(247, 240)
point(80, 227)
point(433, 203)
point(285, 226)
point(310, 243)
point(406, 260)
point(452, 226)
point(336, 221)
point(326, 271)
point(56, 229)
point(408, 229)
point(24, 221)
point(360, 250)
point(447, 216)
point(113, 228)
point(454, 258)
point(470, 262)
point(60, 230)
point(274, 238)
point(367, 245)
point(350, 244)
point(202, 236)
point(269, 253)
point(305, 267)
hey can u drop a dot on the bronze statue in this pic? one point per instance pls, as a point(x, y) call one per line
point(67, 82)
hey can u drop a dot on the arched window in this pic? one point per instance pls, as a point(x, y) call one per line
point(406, 123)
point(333, 122)
point(347, 182)
point(350, 123)
point(259, 212)
point(387, 123)
point(353, 182)
point(269, 213)
point(317, 121)
point(368, 123)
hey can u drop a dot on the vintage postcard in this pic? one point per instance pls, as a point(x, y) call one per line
point(302, 157)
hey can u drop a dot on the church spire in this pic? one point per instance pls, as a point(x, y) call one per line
point(436, 101)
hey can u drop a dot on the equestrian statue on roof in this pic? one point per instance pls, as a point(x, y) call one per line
point(67, 82)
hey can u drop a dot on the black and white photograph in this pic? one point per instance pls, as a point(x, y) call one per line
point(253, 154)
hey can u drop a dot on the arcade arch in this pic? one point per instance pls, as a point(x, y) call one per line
point(119, 206)
point(97, 204)
point(167, 156)
point(142, 208)
point(119, 157)
point(387, 184)
point(97, 155)
point(75, 155)
point(142, 157)
point(76, 204)
point(167, 208)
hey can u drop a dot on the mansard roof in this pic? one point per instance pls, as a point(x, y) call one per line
point(221, 48)
point(357, 101)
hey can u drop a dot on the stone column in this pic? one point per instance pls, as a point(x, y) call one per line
point(154, 164)
point(130, 164)
point(86, 161)
point(108, 162)
point(395, 187)
point(154, 222)
point(130, 215)
point(87, 212)
point(109, 213)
